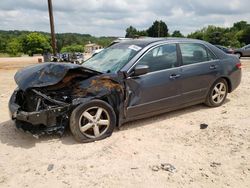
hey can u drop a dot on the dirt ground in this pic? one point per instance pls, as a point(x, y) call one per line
point(218, 156)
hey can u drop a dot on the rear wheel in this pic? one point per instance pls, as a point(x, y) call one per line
point(93, 121)
point(217, 93)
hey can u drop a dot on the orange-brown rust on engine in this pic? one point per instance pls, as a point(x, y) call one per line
point(71, 76)
point(78, 91)
point(105, 82)
point(66, 81)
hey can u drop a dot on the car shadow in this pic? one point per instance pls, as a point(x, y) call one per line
point(11, 136)
point(164, 116)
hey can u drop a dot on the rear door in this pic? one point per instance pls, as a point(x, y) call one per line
point(199, 69)
point(160, 88)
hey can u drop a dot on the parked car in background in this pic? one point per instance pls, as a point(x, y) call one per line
point(129, 80)
point(76, 58)
point(225, 49)
point(243, 52)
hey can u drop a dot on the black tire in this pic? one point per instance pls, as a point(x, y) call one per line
point(238, 54)
point(77, 114)
point(209, 99)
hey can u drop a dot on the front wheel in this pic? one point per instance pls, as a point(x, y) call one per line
point(238, 55)
point(217, 93)
point(92, 121)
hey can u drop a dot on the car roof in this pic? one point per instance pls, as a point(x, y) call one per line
point(149, 41)
point(142, 42)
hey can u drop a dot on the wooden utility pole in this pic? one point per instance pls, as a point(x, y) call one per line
point(52, 27)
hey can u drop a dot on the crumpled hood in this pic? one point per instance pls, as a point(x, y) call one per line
point(44, 74)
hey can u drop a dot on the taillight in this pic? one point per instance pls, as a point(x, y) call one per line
point(238, 65)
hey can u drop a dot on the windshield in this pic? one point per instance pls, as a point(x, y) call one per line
point(246, 47)
point(113, 58)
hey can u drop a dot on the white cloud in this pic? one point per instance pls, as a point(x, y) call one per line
point(104, 17)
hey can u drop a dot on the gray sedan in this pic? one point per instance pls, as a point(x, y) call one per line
point(124, 82)
point(243, 52)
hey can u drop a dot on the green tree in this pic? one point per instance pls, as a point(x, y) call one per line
point(105, 41)
point(240, 25)
point(142, 33)
point(158, 29)
point(214, 35)
point(14, 47)
point(3, 43)
point(177, 33)
point(244, 36)
point(73, 48)
point(131, 32)
point(196, 35)
point(35, 43)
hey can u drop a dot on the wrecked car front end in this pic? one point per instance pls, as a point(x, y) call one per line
point(37, 113)
point(47, 94)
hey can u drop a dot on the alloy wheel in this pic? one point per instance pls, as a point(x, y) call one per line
point(219, 92)
point(94, 122)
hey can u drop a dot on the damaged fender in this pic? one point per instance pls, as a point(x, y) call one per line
point(48, 93)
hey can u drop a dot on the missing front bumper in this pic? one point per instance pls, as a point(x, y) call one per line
point(41, 121)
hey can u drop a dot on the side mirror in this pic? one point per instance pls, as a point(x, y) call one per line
point(140, 70)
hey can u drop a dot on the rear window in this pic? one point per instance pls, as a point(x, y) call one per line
point(195, 53)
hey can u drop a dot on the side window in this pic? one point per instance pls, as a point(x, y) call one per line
point(247, 47)
point(160, 58)
point(195, 53)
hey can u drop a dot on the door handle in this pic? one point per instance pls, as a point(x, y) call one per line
point(174, 76)
point(213, 67)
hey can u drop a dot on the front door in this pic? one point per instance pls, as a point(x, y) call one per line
point(158, 89)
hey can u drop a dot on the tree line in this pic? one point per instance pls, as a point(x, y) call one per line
point(157, 29)
point(236, 36)
point(17, 42)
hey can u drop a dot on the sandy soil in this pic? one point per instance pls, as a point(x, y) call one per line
point(17, 62)
point(218, 156)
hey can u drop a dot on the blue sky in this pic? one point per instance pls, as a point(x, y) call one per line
point(112, 17)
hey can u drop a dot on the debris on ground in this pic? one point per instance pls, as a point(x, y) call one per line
point(2, 179)
point(168, 167)
point(164, 166)
point(155, 168)
point(50, 167)
point(203, 126)
point(204, 175)
point(66, 182)
point(215, 164)
point(134, 168)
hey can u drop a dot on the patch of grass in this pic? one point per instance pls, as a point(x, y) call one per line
point(10, 55)
point(4, 55)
